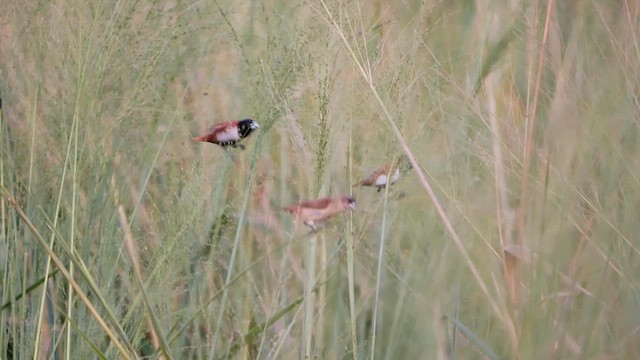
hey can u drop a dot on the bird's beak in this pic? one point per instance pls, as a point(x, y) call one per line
point(352, 205)
point(254, 125)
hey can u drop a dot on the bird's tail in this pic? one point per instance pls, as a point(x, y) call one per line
point(202, 138)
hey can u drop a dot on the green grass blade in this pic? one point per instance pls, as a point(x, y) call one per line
point(29, 289)
point(123, 352)
point(493, 55)
point(482, 346)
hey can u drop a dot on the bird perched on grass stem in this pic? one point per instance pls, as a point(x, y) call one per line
point(389, 173)
point(229, 133)
point(314, 212)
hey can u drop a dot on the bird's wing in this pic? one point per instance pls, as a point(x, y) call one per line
point(375, 178)
point(224, 132)
point(221, 126)
point(315, 204)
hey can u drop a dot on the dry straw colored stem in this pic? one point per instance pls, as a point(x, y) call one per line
point(531, 125)
point(379, 272)
point(133, 255)
point(56, 260)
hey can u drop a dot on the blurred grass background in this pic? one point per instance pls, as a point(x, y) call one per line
point(524, 117)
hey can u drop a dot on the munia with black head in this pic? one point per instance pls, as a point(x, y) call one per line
point(229, 133)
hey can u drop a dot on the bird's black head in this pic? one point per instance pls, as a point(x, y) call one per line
point(246, 127)
point(348, 202)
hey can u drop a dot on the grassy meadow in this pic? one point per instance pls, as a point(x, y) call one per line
point(515, 236)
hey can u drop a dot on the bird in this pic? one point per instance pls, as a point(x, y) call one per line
point(229, 133)
point(317, 211)
point(389, 173)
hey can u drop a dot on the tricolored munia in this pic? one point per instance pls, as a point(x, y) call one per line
point(229, 133)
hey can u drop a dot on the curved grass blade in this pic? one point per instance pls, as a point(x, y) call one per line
point(130, 245)
point(94, 312)
point(258, 329)
point(30, 289)
point(175, 331)
point(494, 54)
point(86, 338)
point(475, 340)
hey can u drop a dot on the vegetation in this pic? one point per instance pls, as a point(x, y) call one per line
point(515, 235)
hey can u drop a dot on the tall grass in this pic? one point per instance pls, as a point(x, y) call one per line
point(514, 236)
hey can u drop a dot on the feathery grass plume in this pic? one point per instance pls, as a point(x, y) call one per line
point(322, 133)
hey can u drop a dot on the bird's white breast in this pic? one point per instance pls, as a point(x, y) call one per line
point(381, 180)
point(229, 135)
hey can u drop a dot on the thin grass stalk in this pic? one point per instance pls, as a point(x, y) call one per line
point(72, 236)
point(503, 211)
point(5, 290)
point(502, 197)
point(531, 125)
point(157, 337)
point(293, 321)
point(27, 289)
point(454, 328)
point(86, 339)
point(247, 322)
point(286, 333)
point(477, 341)
point(310, 267)
point(4, 234)
point(25, 272)
point(276, 297)
point(399, 300)
point(82, 70)
point(82, 269)
point(379, 271)
point(56, 260)
point(236, 245)
point(168, 131)
point(177, 330)
point(260, 328)
point(32, 145)
point(441, 330)
point(350, 250)
point(320, 324)
point(36, 352)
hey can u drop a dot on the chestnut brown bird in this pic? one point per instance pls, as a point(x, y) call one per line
point(229, 133)
point(314, 212)
point(389, 173)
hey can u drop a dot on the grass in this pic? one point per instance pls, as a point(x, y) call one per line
point(515, 237)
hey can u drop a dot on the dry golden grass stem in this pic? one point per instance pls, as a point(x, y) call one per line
point(133, 255)
point(512, 275)
point(524, 256)
point(504, 213)
point(145, 217)
point(566, 302)
point(63, 270)
point(531, 125)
